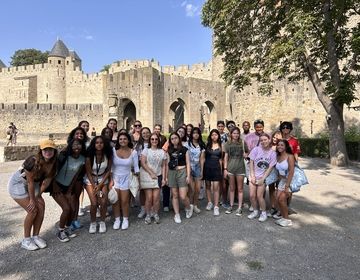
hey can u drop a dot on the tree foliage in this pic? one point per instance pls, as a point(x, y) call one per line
point(105, 68)
point(28, 57)
point(294, 39)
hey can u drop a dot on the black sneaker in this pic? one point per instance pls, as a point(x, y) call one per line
point(62, 236)
point(68, 231)
point(273, 211)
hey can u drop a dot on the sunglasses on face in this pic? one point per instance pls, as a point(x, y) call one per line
point(286, 127)
point(154, 139)
point(137, 125)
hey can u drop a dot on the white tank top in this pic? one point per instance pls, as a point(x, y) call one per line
point(283, 167)
point(122, 166)
point(99, 169)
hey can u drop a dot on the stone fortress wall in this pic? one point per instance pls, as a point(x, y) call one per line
point(53, 97)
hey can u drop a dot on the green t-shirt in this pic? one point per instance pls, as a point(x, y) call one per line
point(235, 153)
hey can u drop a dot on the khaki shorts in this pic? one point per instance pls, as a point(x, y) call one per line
point(177, 178)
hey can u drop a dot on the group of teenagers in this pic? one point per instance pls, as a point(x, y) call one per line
point(176, 166)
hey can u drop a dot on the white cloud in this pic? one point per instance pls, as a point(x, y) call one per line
point(89, 37)
point(190, 9)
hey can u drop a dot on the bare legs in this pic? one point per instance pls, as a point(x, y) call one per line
point(33, 219)
point(182, 193)
point(95, 200)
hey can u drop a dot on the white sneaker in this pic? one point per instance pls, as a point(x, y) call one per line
point(216, 211)
point(142, 213)
point(29, 244)
point(177, 219)
point(284, 222)
point(41, 243)
point(116, 224)
point(209, 206)
point(263, 216)
point(197, 210)
point(102, 227)
point(189, 212)
point(157, 219)
point(125, 224)
point(92, 228)
point(98, 215)
point(81, 212)
point(251, 209)
point(253, 215)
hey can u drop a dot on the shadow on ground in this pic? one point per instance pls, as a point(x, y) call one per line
point(322, 244)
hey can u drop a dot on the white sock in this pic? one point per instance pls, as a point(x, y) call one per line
point(125, 218)
point(117, 219)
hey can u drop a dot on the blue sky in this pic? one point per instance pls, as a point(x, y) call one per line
point(102, 32)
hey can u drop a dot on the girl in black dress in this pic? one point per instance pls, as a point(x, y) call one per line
point(212, 169)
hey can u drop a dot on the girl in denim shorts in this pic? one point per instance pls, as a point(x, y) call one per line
point(196, 148)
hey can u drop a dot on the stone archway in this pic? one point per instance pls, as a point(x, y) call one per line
point(176, 114)
point(208, 116)
point(126, 113)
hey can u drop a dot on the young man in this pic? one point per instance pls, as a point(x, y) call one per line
point(252, 139)
point(246, 129)
point(157, 130)
point(221, 129)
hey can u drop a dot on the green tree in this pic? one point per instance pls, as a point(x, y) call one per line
point(28, 57)
point(319, 40)
point(105, 68)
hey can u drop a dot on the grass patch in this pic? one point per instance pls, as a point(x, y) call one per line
point(255, 265)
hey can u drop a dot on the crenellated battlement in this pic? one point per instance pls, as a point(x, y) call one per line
point(27, 69)
point(198, 70)
point(125, 65)
point(42, 107)
point(85, 78)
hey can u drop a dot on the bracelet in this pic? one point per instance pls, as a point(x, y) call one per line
point(225, 169)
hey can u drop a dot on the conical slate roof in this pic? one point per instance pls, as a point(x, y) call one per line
point(73, 54)
point(59, 49)
point(2, 64)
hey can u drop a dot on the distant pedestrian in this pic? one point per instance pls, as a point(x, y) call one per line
point(11, 134)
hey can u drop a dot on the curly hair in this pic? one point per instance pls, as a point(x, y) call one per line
point(72, 135)
point(288, 149)
point(130, 144)
point(91, 150)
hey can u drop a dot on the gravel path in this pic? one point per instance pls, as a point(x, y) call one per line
point(324, 242)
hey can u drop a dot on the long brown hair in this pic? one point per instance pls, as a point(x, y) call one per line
point(39, 167)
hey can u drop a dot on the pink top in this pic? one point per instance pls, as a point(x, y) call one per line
point(263, 160)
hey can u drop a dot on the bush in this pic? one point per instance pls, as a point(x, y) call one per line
point(319, 147)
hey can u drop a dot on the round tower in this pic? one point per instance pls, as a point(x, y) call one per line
point(56, 74)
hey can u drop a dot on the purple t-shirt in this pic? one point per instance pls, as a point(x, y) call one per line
point(252, 140)
point(263, 160)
